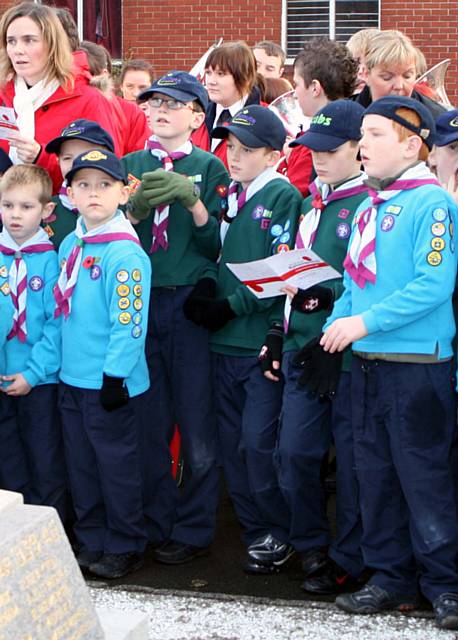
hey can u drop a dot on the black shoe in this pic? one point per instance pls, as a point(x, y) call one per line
point(172, 552)
point(372, 599)
point(267, 555)
point(332, 579)
point(86, 558)
point(116, 565)
point(446, 611)
point(314, 561)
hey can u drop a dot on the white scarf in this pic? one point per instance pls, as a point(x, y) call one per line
point(236, 202)
point(25, 102)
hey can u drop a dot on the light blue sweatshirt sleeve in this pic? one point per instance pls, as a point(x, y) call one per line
point(45, 356)
point(432, 285)
point(128, 308)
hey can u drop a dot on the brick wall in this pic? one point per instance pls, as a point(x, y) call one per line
point(433, 27)
point(175, 33)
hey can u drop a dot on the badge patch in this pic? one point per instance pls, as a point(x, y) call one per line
point(122, 276)
point(276, 230)
point(343, 214)
point(5, 289)
point(282, 248)
point(136, 331)
point(138, 304)
point(137, 290)
point(394, 209)
point(123, 303)
point(36, 283)
point(221, 190)
point(3, 272)
point(88, 262)
point(49, 231)
point(124, 317)
point(439, 215)
point(133, 183)
point(343, 230)
point(136, 275)
point(438, 244)
point(265, 224)
point(137, 318)
point(257, 212)
point(123, 290)
point(387, 223)
point(434, 258)
point(96, 272)
point(438, 229)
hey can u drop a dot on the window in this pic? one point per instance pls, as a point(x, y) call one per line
point(337, 19)
point(98, 21)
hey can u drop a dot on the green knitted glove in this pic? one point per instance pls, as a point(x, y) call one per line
point(165, 187)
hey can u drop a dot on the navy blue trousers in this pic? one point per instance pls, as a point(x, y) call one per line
point(31, 450)
point(404, 424)
point(248, 409)
point(180, 392)
point(308, 428)
point(103, 461)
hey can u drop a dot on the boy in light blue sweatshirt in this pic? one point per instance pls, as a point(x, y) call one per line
point(31, 452)
point(396, 309)
point(103, 294)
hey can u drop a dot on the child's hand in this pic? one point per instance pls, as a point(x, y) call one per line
point(18, 387)
point(289, 290)
point(164, 187)
point(452, 187)
point(343, 332)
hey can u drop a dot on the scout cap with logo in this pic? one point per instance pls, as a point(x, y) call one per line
point(388, 106)
point(82, 129)
point(98, 159)
point(255, 127)
point(447, 128)
point(179, 85)
point(337, 123)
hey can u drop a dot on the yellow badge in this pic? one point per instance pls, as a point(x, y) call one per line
point(124, 317)
point(3, 272)
point(123, 303)
point(5, 289)
point(138, 304)
point(133, 183)
point(434, 258)
point(438, 229)
point(49, 231)
point(122, 276)
point(94, 156)
point(451, 229)
point(137, 290)
point(136, 275)
point(438, 244)
point(123, 290)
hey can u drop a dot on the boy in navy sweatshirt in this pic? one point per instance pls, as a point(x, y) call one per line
point(396, 310)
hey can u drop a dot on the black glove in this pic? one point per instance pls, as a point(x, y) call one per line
point(313, 299)
point(213, 314)
point(113, 394)
point(271, 350)
point(204, 288)
point(321, 369)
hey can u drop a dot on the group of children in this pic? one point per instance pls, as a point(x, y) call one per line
point(143, 326)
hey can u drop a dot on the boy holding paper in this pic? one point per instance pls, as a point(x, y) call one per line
point(261, 221)
point(312, 421)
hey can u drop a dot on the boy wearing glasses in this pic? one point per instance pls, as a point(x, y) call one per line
point(177, 193)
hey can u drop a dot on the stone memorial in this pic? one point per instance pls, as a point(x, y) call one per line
point(43, 595)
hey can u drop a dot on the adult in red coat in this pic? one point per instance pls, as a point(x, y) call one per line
point(38, 79)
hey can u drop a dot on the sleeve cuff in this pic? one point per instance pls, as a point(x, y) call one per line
point(31, 378)
point(370, 322)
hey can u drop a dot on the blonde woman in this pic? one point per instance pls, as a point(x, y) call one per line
point(37, 79)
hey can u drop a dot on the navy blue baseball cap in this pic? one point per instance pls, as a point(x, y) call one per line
point(81, 129)
point(179, 85)
point(447, 128)
point(337, 123)
point(255, 127)
point(5, 161)
point(98, 159)
point(388, 106)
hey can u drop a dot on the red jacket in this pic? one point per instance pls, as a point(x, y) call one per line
point(57, 112)
point(299, 168)
point(136, 131)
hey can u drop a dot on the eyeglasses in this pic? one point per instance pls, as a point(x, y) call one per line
point(173, 105)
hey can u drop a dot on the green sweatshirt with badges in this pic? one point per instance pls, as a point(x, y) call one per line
point(192, 250)
point(60, 223)
point(265, 225)
point(331, 244)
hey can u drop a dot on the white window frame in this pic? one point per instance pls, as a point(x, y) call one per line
point(332, 23)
